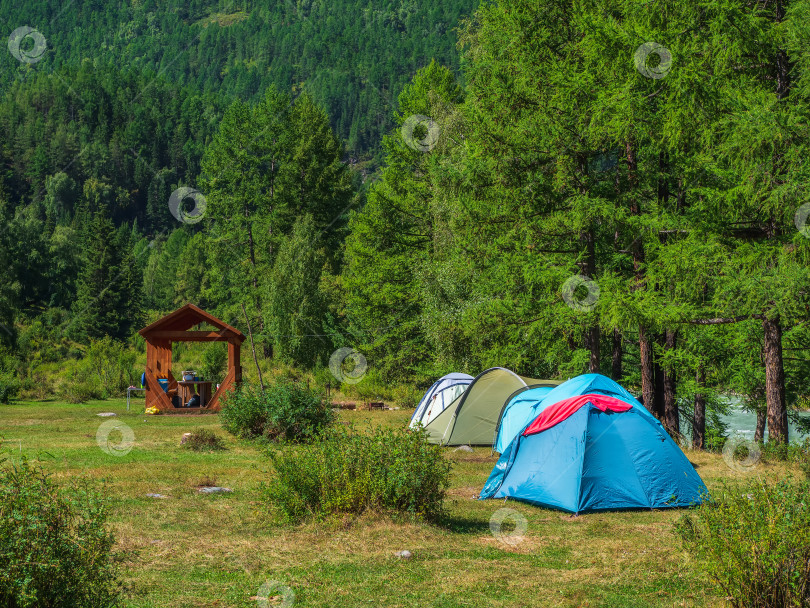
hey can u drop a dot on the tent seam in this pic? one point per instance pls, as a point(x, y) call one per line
point(635, 470)
point(582, 462)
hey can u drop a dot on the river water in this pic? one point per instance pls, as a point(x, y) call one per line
point(745, 423)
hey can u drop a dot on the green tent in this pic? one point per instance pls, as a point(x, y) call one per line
point(471, 419)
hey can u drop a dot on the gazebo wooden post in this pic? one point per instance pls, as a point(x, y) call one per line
point(234, 360)
point(158, 365)
point(151, 366)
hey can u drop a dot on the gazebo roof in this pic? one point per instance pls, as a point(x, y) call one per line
point(186, 317)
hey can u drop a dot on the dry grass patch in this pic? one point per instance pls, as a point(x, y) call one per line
point(199, 550)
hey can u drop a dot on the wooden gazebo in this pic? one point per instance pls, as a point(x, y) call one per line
point(175, 327)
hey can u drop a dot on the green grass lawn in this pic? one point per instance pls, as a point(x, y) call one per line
point(218, 550)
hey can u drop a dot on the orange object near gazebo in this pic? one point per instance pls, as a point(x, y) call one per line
point(175, 327)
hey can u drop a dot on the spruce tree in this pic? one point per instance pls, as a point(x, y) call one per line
point(108, 287)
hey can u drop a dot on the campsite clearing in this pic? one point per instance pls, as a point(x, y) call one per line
point(193, 549)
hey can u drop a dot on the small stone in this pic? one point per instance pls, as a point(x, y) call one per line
point(106, 414)
point(214, 490)
point(404, 554)
point(185, 438)
point(156, 496)
point(463, 448)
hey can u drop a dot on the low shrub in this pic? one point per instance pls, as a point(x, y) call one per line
point(754, 543)
point(715, 439)
point(54, 545)
point(9, 380)
point(802, 456)
point(203, 440)
point(793, 452)
point(36, 385)
point(346, 472)
point(9, 387)
point(112, 364)
point(286, 411)
point(407, 396)
point(214, 362)
point(776, 452)
point(77, 390)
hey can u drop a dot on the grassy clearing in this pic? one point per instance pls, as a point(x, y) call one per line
point(217, 550)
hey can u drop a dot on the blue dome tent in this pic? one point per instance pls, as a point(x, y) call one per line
point(523, 407)
point(594, 448)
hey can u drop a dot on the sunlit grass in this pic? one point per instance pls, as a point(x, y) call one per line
point(216, 550)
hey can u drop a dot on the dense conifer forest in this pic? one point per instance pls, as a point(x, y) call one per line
point(440, 186)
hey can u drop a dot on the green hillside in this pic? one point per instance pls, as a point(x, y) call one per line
point(353, 57)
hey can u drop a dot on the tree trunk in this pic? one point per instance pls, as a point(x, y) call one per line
point(647, 374)
point(637, 248)
point(267, 348)
point(658, 376)
point(699, 419)
point(253, 347)
point(762, 418)
point(671, 416)
point(774, 381)
point(616, 358)
point(593, 339)
point(593, 335)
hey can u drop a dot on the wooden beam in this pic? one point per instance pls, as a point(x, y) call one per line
point(172, 382)
point(192, 336)
point(234, 361)
point(227, 384)
point(154, 394)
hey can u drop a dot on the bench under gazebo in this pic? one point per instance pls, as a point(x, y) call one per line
point(162, 388)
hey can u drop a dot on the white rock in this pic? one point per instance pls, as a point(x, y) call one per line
point(156, 496)
point(106, 414)
point(404, 554)
point(214, 490)
point(463, 448)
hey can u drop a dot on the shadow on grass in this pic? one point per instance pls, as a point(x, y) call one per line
point(463, 525)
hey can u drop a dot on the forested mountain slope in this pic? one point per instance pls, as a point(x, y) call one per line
point(353, 57)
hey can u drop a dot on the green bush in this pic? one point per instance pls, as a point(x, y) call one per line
point(78, 390)
point(288, 411)
point(9, 380)
point(54, 546)
point(715, 439)
point(112, 364)
point(203, 440)
point(787, 452)
point(346, 472)
point(323, 377)
point(801, 455)
point(754, 543)
point(9, 387)
point(214, 360)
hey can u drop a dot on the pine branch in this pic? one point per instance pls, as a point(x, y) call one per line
point(725, 320)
